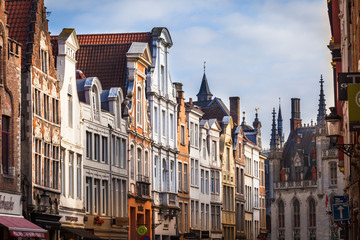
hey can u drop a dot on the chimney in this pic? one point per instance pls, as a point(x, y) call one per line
point(295, 120)
point(191, 101)
point(179, 91)
point(235, 110)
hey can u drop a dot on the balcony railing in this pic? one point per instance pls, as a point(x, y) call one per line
point(295, 184)
point(142, 178)
point(169, 199)
point(330, 153)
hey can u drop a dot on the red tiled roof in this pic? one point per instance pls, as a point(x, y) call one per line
point(19, 19)
point(113, 38)
point(107, 62)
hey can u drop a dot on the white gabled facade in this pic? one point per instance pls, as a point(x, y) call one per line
point(72, 150)
point(161, 95)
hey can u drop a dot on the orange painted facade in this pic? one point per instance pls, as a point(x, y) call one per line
point(183, 161)
point(140, 202)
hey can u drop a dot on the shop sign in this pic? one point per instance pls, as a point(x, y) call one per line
point(71, 219)
point(122, 221)
point(10, 203)
point(354, 106)
point(344, 80)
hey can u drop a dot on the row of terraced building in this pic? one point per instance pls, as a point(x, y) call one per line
point(99, 143)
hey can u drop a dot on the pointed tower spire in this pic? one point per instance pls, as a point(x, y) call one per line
point(280, 126)
point(322, 106)
point(273, 132)
point(243, 121)
point(256, 121)
point(204, 92)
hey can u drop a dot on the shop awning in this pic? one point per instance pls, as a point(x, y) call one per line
point(80, 232)
point(20, 227)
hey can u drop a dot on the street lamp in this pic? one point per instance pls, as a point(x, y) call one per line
point(333, 123)
point(45, 197)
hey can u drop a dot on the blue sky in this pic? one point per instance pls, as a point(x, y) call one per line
point(259, 50)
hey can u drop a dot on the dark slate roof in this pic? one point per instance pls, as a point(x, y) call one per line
point(204, 89)
point(304, 148)
point(18, 18)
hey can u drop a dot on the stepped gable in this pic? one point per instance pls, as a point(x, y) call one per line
point(300, 142)
point(18, 18)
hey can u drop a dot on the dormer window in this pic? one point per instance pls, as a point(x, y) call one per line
point(95, 103)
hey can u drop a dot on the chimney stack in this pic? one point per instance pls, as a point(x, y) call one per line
point(179, 91)
point(295, 120)
point(235, 110)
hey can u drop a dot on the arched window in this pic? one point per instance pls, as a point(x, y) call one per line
point(95, 102)
point(281, 213)
point(296, 214)
point(312, 213)
point(138, 106)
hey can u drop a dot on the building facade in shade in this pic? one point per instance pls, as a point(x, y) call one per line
point(161, 95)
point(40, 110)
point(304, 178)
point(344, 47)
point(11, 187)
point(105, 166)
point(262, 195)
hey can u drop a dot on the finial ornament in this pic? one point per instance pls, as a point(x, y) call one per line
point(204, 66)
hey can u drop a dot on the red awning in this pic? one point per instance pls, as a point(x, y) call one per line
point(20, 227)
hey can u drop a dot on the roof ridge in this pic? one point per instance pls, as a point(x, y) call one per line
point(96, 34)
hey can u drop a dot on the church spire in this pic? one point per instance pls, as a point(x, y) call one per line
point(280, 125)
point(322, 106)
point(204, 92)
point(273, 132)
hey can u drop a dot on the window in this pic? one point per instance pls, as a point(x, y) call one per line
point(55, 111)
point(162, 77)
point(164, 173)
point(55, 167)
point(312, 213)
point(202, 181)
point(207, 182)
point(117, 151)
point(155, 170)
point(132, 161)
point(192, 133)
point(38, 161)
point(180, 222)
point(5, 144)
point(180, 175)
point(217, 182)
point(192, 213)
point(242, 181)
point(192, 173)
point(186, 209)
point(139, 162)
point(46, 107)
point(46, 164)
point(204, 149)
point(70, 111)
point(213, 222)
point(171, 126)
point(281, 213)
point(298, 173)
point(88, 144)
point(333, 173)
point(217, 217)
point(95, 103)
point(202, 214)
point(156, 121)
point(197, 172)
point(228, 159)
point(88, 193)
point(97, 147)
point(207, 217)
point(212, 181)
point(186, 177)
point(71, 174)
point(296, 206)
point(256, 168)
point(163, 123)
point(123, 153)
point(105, 149)
point(146, 164)
point(37, 102)
point(197, 212)
point(237, 180)
point(79, 176)
point(196, 135)
point(96, 196)
point(44, 60)
point(138, 106)
point(104, 196)
point(182, 134)
point(213, 150)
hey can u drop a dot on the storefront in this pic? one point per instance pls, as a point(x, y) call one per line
point(12, 224)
